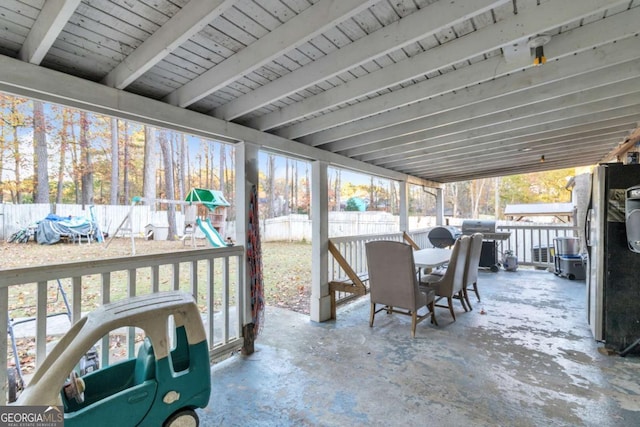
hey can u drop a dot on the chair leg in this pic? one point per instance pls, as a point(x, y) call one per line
point(453, 314)
point(373, 314)
point(414, 322)
point(460, 296)
point(466, 298)
point(475, 289)
point(432, 307)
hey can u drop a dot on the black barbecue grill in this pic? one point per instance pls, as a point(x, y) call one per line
point(443, 237)
point(489, 253)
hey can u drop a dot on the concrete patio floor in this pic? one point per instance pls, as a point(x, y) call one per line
point(530, 360)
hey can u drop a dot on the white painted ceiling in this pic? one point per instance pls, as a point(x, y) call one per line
point(442, 90)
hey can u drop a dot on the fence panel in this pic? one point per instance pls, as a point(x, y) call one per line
point(108, 217)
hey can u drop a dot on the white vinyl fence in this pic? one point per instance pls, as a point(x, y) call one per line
point(285, 228)
point(108, 217)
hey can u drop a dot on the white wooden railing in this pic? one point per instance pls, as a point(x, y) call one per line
point(352, 248)
point(214, 276)
point(533, 244)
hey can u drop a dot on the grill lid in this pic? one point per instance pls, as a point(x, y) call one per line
point(471, 226)
point(442, 237)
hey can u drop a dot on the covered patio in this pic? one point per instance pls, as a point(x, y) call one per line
point(420, 92)
point(528, 361)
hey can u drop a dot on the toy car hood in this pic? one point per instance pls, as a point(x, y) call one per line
point(148, 312)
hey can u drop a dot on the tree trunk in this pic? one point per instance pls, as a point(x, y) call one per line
point(86, 166)
point(222, 168)
point(230, 193)
point(115, 161)
point(294, 180)
point(372, 190)
point(40, 155)
point(150, 167)
point(454, 188)
point(77, 172)
point(181, 166)
point(287, 196)
point(307, 189)
point(271, 167)
point(476, 196)
point(3, 146)
point(496, 197)
point(337, 190)
point(16, 150)
point(165, 147)
point(63, 154)
point(126, 186)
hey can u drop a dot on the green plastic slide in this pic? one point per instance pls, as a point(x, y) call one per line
point(212, 235)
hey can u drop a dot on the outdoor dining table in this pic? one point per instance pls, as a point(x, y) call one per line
point(431, 258)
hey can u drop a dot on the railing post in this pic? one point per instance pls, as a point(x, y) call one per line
point(320, 299)
point(4, 326)
point(105, 299)
point(41, 322)
point(210, 301)
point(76, 311)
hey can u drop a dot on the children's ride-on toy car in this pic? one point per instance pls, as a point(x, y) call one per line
point(160, 387)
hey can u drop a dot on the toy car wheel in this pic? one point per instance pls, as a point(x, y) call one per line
point(74, 389)
point(183, 418)
point(12, 389)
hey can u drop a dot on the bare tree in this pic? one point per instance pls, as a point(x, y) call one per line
point(115, 161)
point(63, 153)
point(307, 188)
point(475, 193)
point(337, 188)
point(3, 140)
point(150, 166)
point(181, 149)
point(372, 190)
point(271, 172)
point(294, 186)
point(86, 166)
point(16, 120)
point(223, 160)
point(287, 189)
point(167, 157)
point(454, 194)
point(75, 161)
point(40, 155)
point(126, 185)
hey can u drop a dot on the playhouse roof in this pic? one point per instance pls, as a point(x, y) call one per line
point(210, 198)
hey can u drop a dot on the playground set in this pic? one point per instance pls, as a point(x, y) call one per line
point(204, 212)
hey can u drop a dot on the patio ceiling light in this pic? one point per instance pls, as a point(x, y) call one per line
point(536, 44)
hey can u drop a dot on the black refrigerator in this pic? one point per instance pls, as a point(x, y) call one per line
point(613, 270)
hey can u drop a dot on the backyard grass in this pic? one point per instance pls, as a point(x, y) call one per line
point(286, 266)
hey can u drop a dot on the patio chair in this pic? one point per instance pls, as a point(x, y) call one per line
point(393, 283)
point(471, 268)
point(450, 285)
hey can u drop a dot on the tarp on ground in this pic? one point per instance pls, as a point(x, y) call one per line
point(53, 228)
point(210, 198)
